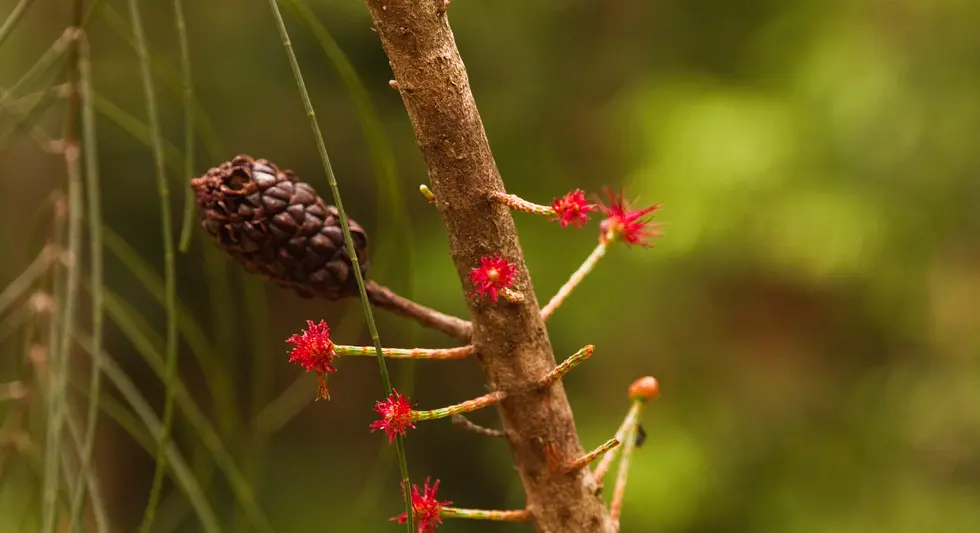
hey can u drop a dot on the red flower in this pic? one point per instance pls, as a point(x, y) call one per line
point(396, 416)
point(572, 209)
point(314, 349)
point(634, 227)
point(314, 352)
point(492, 276)
point(425, 508)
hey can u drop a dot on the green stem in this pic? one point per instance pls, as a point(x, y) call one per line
point(13, 18)
point(632, 419)
point(496, 396)
point(575, 279)
point(584, 461)
point(189, 107)
point(619, 492)
point(413, 353)
point(170, 274)
point(41, 67)
point(519, 204)
point(345, 227)
point(182, 473)
point(58, 362)
point(567, 365)
point(465, 407)
point(22, 283)
point(484, 514)
point(90, 147)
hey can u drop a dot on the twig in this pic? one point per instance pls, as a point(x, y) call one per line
point(519, 204)
point(566, 366)
point(632, 419)
point(384, 298)
point(414, 353)
point(619, 493)
point(468, 406)
point(465, 423)
point(574, 280)
point(484, 514)
point(582, 462)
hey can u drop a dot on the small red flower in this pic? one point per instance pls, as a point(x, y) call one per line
point(314, 352)
point(634, 227)
point(572, 209)
point(492, 276)
point(425, 508)
point(396, 416)
point(314, 349)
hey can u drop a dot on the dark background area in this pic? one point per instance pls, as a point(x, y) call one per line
point(811, 312)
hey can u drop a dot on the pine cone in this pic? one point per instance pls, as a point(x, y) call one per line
point(277, 226)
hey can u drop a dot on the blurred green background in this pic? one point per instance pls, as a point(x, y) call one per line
point(811, 312)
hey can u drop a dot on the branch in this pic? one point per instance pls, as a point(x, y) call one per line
point(509, 335)
point(384, 298)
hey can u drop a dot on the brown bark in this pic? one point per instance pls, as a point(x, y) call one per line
point(511, 337)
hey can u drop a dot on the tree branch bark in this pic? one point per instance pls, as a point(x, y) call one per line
point(510, 337)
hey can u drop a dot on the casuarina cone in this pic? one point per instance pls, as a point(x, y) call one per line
point(277, 226)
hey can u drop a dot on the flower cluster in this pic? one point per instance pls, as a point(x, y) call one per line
point(493, 278)
point(314, 351)
point(494, 275)
point(572, 209)
point(425, 508)
point(632, 226)
point(396, 416)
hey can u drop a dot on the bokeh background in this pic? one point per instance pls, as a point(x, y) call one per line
point(811, 311)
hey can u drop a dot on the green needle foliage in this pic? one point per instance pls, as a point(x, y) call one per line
point(169, 260)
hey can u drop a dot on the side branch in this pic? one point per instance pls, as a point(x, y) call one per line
point(384, 298)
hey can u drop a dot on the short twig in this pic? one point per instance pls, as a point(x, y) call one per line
point(519, 515)
point(582, 462)
point(386, 299)
point(466, 423)
point(573, 281)
point(619, 492)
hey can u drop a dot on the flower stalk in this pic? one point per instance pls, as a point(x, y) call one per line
point(462, 352)
point(619, 492)
point(575, 279)
point(465, 407)
point(519, 204)
point(518, 515)
point(622, 434)
point(571, 209)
